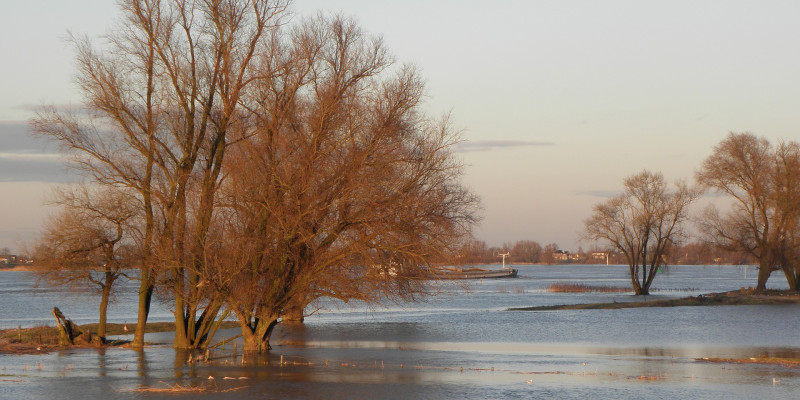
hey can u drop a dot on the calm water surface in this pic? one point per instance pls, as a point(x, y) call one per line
point(459, 344)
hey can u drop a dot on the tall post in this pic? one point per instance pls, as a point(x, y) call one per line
point(504, 255)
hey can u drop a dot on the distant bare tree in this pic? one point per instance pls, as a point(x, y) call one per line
point(764, 182)
point(87, 244)
point(705, 253)
point(472, 252)
point(526, 251)
point(642, 223)
point(548, 253)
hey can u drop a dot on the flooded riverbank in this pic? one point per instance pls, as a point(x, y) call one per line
point(463, 344)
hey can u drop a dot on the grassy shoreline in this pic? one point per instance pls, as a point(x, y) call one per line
point(732, 298)
point(43, 339)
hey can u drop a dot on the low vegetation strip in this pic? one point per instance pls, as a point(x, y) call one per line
point(786, 362)
point(738, 297)
point(45, 338)
point(178, 388)
point(566, 287)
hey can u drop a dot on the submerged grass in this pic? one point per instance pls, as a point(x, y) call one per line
point(178, 388)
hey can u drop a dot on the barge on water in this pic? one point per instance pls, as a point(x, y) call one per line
point(473, 273)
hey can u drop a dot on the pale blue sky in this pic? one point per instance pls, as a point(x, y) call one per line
point(558, 99)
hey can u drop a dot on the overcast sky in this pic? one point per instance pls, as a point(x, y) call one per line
point(558, 100)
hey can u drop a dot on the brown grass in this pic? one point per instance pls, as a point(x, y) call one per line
point(648, 377)
point(19, 267)
point(178, 388)
point(563, 287)
point(39, 335)
point(787, 362)
point(45, 338)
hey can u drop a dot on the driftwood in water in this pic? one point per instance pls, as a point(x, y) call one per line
point(68, 332)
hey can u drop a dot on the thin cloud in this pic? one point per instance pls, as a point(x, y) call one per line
point(35, 169)
point(24, 158)
point(487, 145)
point(16, 136)
point(41, 157)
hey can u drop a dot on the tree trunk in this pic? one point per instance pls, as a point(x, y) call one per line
point(635, 283)
point(191, 331)
point(145, 297)
point(211, 321)
point(639, 290)
point(649, 281)
point(181, 338)
point(253, 343)
point(764, 271)
point(256, 339)
point(294, 312)
point(101, 323)
point(791, 278)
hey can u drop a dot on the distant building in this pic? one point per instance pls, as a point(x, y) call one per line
point(565, 256)
point(8, 259)
point(561, 255)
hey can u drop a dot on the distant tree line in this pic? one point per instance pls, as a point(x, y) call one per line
point(531, 252)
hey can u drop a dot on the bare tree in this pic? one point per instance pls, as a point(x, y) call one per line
point(787, 210)
point(548, 253)
point(527, 251)
point(642, 223)
point(121, 133)
point(763, 221)
point(161, 99)
point(87, 244)
point(474, 251)
point(345, 189)
point(335, 183)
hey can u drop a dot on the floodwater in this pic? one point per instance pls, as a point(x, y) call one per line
point(460, 344)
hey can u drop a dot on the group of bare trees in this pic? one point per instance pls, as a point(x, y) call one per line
point(259, 164)
point(763, 221)
point(88, 243)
